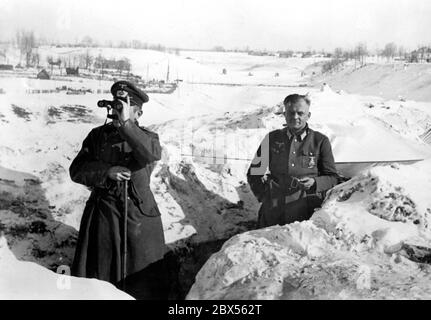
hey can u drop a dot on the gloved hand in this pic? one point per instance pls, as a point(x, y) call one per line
point(306, 183)
point(119, 173)
point(269, 183)
point(124, 114)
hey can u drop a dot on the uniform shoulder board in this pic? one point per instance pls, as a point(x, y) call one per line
point(149, 131)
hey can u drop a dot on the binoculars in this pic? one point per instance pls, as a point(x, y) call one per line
point(114, 104)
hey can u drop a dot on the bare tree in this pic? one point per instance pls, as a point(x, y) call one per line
point(338, 53)
point(401, 52)
point(99, 63)
point(390, 50)
point(35, 59)
point(123, 65)
point(87, 41)
point(85, 60)
point(360, 53)
point(26, 41)
point(339, 57)
point(53, 63)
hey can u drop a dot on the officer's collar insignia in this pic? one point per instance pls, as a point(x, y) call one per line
point(301, 136)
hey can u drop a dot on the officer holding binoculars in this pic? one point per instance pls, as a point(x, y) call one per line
point(121, 236)
point(292, 169)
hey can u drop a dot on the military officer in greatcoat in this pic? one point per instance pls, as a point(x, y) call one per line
point(113, 154)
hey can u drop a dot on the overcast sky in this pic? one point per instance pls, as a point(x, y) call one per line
point(267, 24)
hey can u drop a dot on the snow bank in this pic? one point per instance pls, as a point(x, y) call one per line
point(371, 240)
point(29, 281)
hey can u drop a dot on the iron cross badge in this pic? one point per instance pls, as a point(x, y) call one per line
point(311, 162)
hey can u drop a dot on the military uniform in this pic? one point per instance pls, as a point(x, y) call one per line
point(288, 158)
point(98, 253)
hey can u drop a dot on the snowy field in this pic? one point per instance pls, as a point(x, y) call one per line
point(202, 199)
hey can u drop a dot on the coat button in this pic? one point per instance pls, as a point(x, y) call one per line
point(293, 164)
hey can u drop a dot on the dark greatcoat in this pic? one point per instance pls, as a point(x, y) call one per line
point(98, 251)
point(280, 160)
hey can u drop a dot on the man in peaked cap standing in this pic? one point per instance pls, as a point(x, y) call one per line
point(113, 154)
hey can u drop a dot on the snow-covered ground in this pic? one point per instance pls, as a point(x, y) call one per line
point(201, 199)
point(30, 281)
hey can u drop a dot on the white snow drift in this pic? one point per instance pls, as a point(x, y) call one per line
point(371, 240)
point(29, 281)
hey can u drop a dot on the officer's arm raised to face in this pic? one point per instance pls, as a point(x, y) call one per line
point(89, 170)
point(145, 144)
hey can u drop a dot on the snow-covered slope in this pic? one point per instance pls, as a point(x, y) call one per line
point(371, 240)
point(389, 81)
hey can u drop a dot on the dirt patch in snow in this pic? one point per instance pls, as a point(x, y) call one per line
point(21, 112)
point(70, 113)
point(32, 232)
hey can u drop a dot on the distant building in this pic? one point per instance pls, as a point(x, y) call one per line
point(6, 67)
point(72, 71)
point(112, 64)
point(420, 55)
point(43, 74)
point(260, 53)
point(285, 54)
